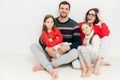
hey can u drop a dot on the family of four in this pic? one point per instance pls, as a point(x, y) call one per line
point(65, 41)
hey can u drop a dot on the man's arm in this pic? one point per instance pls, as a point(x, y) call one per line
point(76, 39)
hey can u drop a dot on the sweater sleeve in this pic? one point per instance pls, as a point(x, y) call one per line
point(102, 30)
point(105, 30)
point(59, 35)
point(76, 38)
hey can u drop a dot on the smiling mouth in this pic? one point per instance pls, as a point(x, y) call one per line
point(89, 19)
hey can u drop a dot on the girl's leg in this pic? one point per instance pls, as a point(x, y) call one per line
point(41, 56)
point(43, 60)
point(84, 69)
point(53, 73)
point(87, 58)
point(89, 69)
point(82, 63)
point(38, 67)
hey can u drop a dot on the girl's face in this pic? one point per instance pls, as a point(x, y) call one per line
point(49, 23)
point(86, 29)
point(91, 17)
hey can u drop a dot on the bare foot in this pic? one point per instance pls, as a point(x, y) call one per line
point(37, 67)
point(89, 72)
point(105, 63)
point(96, 71)
point(54, 73)
point(83, 73)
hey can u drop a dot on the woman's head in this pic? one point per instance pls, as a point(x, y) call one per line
point(48, 22)
point(91, 16)
point(86, 28)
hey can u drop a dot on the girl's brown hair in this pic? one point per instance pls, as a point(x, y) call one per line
point(90, 42)
point(44, 26)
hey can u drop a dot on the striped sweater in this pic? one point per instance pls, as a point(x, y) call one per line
point(70, 32)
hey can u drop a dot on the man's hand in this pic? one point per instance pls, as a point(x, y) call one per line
point(50, 52)
point(63, 48)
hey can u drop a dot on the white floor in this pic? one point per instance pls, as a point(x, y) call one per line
point(19, 67)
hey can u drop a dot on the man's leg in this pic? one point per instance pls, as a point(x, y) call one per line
point(66, 58)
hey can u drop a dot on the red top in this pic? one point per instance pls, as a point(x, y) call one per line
point(100, 30)
point(55, 35)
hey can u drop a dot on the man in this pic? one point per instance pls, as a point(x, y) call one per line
point(70, 31)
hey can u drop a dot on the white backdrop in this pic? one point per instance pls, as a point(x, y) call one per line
point(21, 21)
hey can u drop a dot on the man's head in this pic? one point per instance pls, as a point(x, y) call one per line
point(64, 9)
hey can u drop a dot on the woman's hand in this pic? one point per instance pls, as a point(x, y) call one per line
point(99, 17)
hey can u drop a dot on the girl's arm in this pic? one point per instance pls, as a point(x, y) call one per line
point(59, 35)
point(45, 39)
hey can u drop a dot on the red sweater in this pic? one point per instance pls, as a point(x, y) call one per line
point(55, 35)
point(101, 31)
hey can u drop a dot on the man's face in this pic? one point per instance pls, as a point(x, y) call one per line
point(64, 10)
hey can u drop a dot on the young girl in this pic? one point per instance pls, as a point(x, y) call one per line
point(51, 36)
point(93, 18)
point(89, 51)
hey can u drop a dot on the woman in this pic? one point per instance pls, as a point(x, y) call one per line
point(93, 18)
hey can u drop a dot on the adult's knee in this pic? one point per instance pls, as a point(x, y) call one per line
point(74, 53)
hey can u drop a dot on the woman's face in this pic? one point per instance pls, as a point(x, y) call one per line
point(91, 17)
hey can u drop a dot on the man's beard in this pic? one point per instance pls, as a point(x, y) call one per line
point(63, 16)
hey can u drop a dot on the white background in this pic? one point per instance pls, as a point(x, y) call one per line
point(21, 21)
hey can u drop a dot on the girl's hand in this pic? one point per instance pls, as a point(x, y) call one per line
point(50, 51)
point(64, 48)
point(50, 40)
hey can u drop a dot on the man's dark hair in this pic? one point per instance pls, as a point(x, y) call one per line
point(64, 3)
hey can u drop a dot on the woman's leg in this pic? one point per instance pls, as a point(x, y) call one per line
point(104, 50)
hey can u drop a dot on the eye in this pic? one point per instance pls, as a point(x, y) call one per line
point(93, 15)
